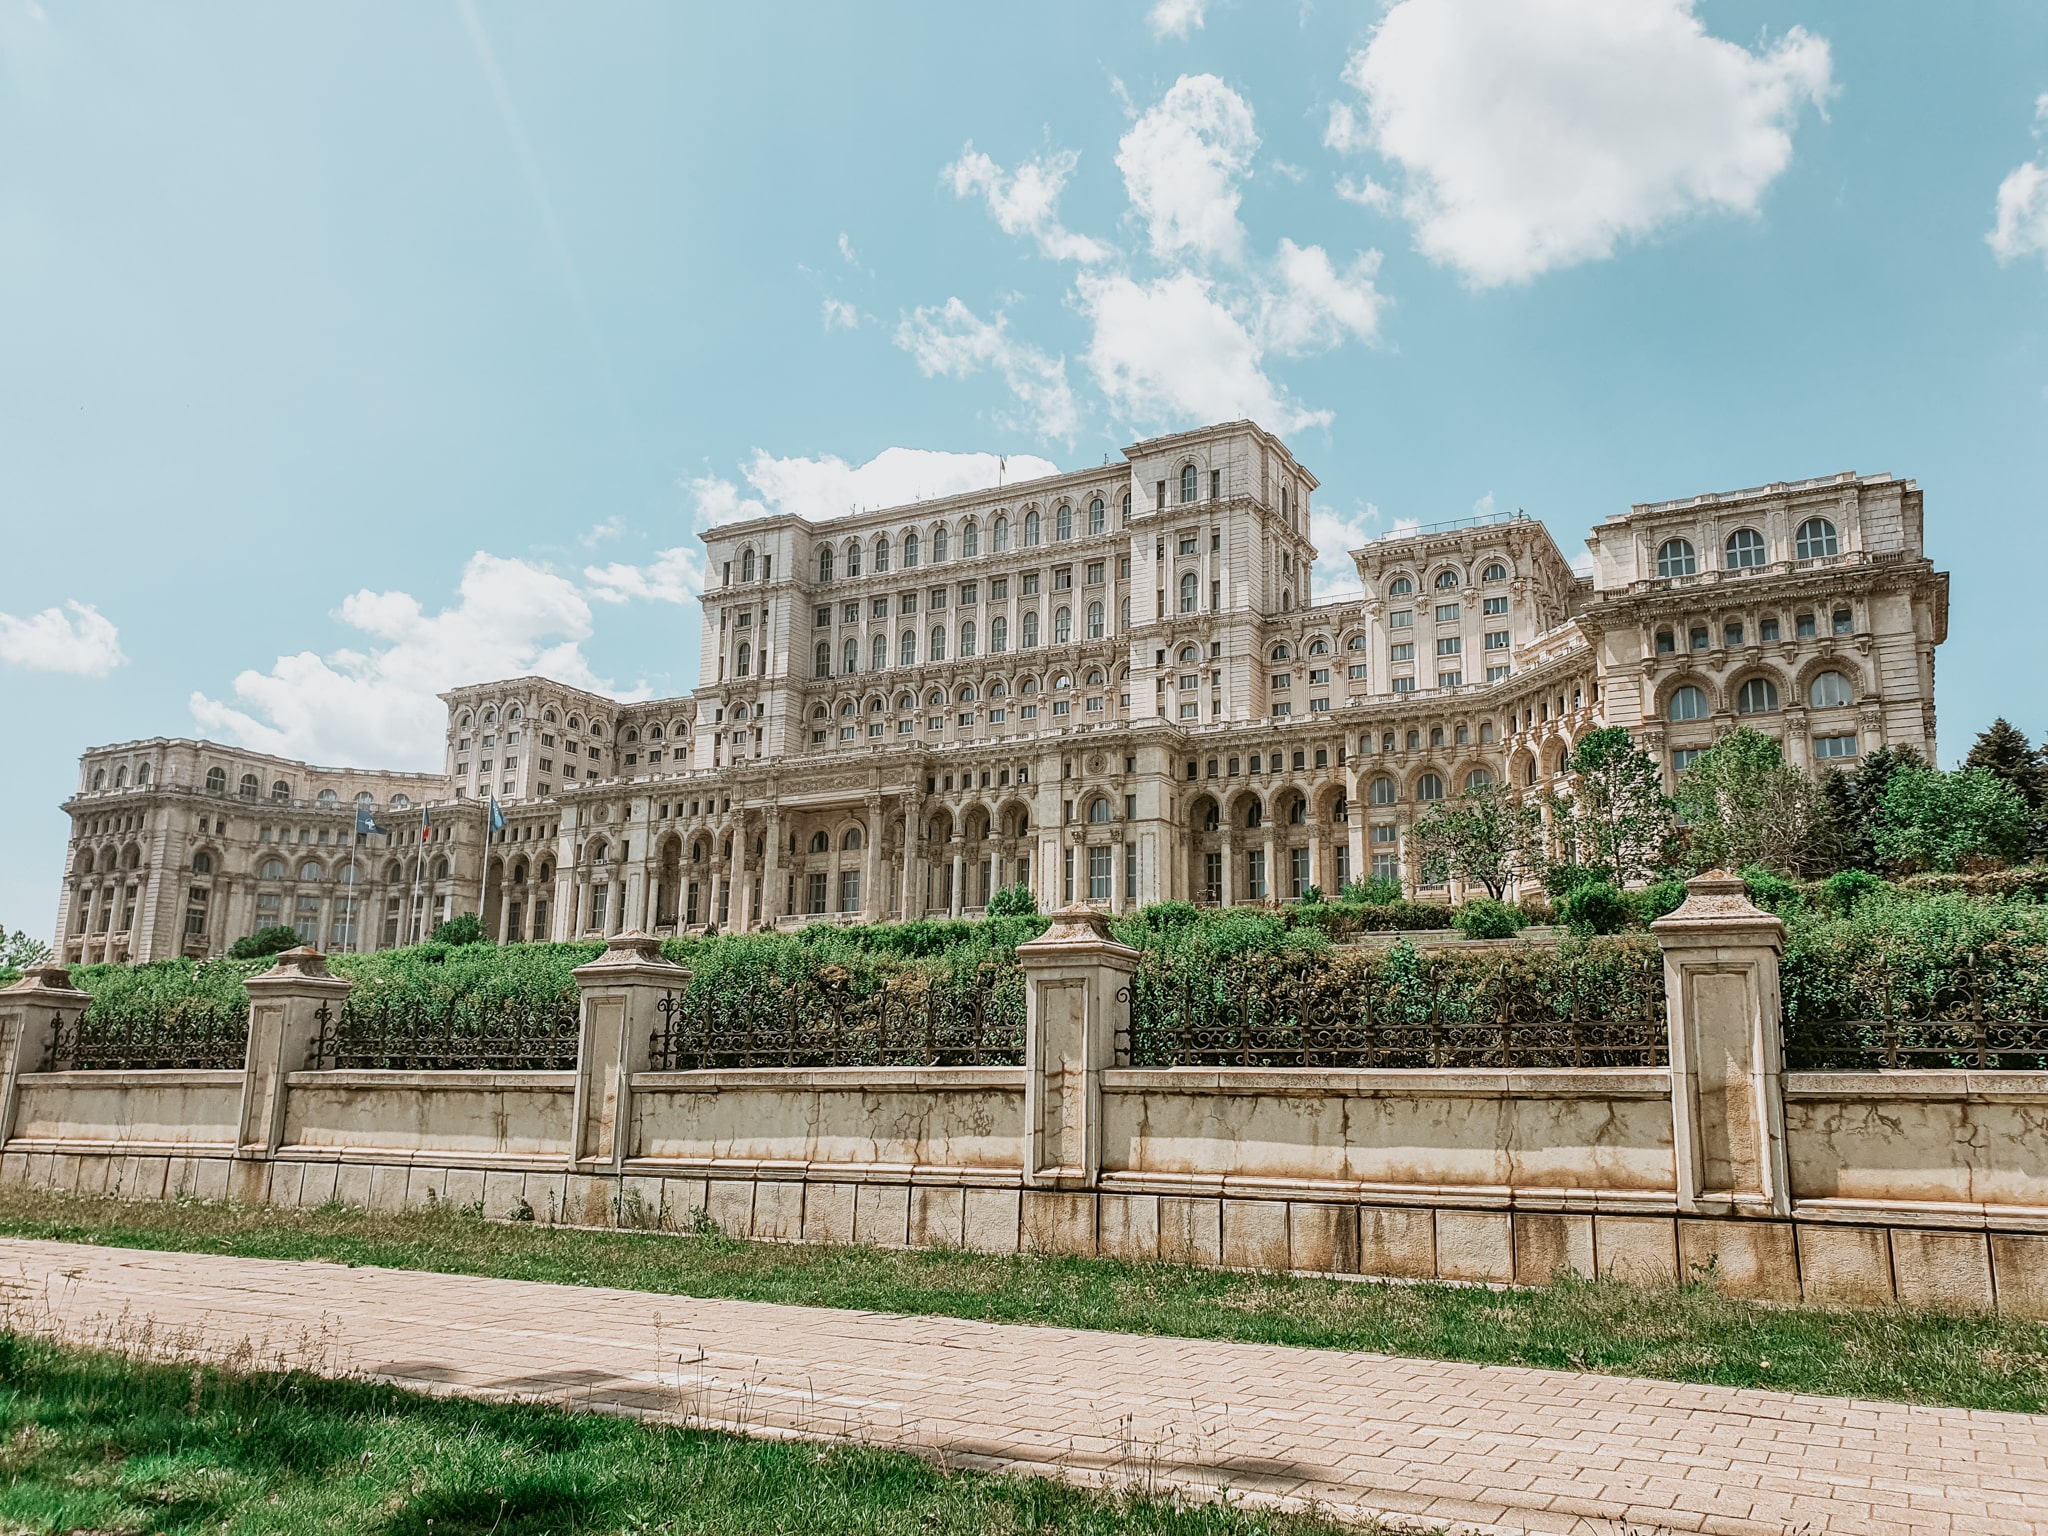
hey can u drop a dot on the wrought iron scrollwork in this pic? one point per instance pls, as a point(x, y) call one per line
point(194, 1040)
point(1959, 1017)
point(466, 1032)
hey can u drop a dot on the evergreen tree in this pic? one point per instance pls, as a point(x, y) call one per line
point(2003, 748)
point(1853, 801)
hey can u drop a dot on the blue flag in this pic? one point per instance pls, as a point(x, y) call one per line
point(366, 820)
point(497, 816)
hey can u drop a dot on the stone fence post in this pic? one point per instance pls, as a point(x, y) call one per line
point(621, 996)
point(37, 1014)
point(1727, 1050)
point(288, 1004)
point(1072, 977)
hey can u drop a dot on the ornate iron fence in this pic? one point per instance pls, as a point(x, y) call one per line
point(835, 1018)
point(197, 1039)
point(400, 1030)
point(1885, 1016)
point(1398, 1010)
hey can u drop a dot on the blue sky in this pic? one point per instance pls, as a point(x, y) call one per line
point(349, 353)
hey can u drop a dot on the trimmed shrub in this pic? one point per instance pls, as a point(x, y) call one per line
point(263, 942)
point(462, 928)
point(1654, 901)
point(1772, 892)
point(1596, 907)
point(1485, 918)
point(1013, 901)
point(1377, 891)
point(1845, 888)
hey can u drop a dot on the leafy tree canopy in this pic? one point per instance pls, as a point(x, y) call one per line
point(1951, 821)
point(1013, 901)
point(263, 942)
point(463, 928)
point(1483, 836)
point(1617, 819)
point(1743, 805)
point(2003, 748)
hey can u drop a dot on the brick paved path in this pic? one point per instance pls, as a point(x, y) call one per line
point(1491, 1448)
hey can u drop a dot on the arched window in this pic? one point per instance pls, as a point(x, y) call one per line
point(1281, 652)
point(1383, 791)
point(141, 774)
point(851, 842)
point(1031, 527)
point(1758, 696)
point(938, 650)
point(825, 564)
point(1355, 643)
point(1188, 590)
point(1097, 521)
point(281, 792)
point(1095, 621)
point(1319, 646)
point(907, 651)
point(1210, 820)
point(1297, 811)
point(121, 777)
point(1429, 787)
point(905, 701)
point(1446, 581)
point(1188, 482)
point(910, 551)
point(821, 842)
point(401, 802)
point(1030, 627)
point(747, 566)
point(310, 870)
point(249, 786)
point(1400, 586)
point(821, 660)
point(202, 863)
point(365, 798)
point(966, 638)
point(880, 652)
point(1063, 522)
point(1494, 572)
point(998, 635)
point(1830, 690)
point(1479, 778)
point(273, 869)
point(743, 661)
point(328, 797)
point(1098, 809)
point(852, 658)
point(99, 778)
point(999, 537)
point(1745, 549)
point(1816, 538)
point(852, 557)
point(881, 552)
point(1127, 509)
point(1688, 703)
point(938, 543)
point(1062, 626)
point(1255, 815)
point(970, 541)
point(1675, 558)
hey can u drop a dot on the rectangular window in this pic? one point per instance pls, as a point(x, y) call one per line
point(1215, 484)
point(1446, 613)
point(1281, 709)
point(1031, 583)
point(600, 895)
point(1805, 626)
point(1383, 867)
point(1027, 712)
point(1187, 543)
point(814, 892)
point(1450, 679)
point(998, 589)
point(849, 890)
point(1450, 645)
point(1093, 575)
point(1493, 606)
point(1684, 757)
point(822, 618)
point(1844, 624)
point(1385, 835)
point(1767, 631)
point(1356, 672)
point(937, 600)
point(1283, 679)
point(879, 608)
point(1319, 706)
point(970, 594)
point(1067, 873)
point(1318, 677)
point(1405, 619)
point(907, 603)
point(1497, 674)
point(1095, 706)
point(1297, 871)
point(1404, 685)
point(1731, 634)
point(1255, 874)
point(1405, 651)
point(1062, 706)
point(1834, 746)
point(1496, 639)
point(850, 614)
point(1063, 579)
point(1343, 865)
point(1212, 876)
point(1099, 869)
point(1189, 709)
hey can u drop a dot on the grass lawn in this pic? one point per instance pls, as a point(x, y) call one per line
point(1690, 1333)
point(96, 1442)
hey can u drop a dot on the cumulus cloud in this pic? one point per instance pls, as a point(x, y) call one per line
point(950, 341)
point(1170, 351)
point(1176, 18)
point(2022, 218)
point(1026, 201)
point(1182, 162)
point(828, 486)
point(1536, 134)
point(1365, 192)
point(1335, 533)
point(377, 703)
point(75, 639)
point(1314, 307)
point(840, 314)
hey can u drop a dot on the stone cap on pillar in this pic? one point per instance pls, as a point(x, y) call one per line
point(627, 954)
point(1077, 931)
point(45, 984)
point(302, 969)
point(1717, 910)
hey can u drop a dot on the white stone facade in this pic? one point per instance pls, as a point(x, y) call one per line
point(1112, 684)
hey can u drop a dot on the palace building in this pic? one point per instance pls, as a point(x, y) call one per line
point(1113, 685)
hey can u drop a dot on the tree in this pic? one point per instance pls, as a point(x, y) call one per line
point(1951, 821)
point(2003, 749)
point(1744, 805)
point(1013, 901)
point(264, 942)
point(1853, 801)
point(19, 952)
point(1617, 818)
point(462, 928)
point(1482, 836)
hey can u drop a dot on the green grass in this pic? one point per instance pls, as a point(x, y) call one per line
point(98, 1442)
point(1690, 1333)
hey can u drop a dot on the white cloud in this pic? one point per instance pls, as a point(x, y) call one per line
point(829, 486)
point(1175, 18)
point(840, 313)
point(1335, 534)
point(847, 253)
point(1315, 307)
point(672, 576)
point(2022, 226)
point(75, 639)
point(950, 341)
point(377, 704)
point(1026, 202)
point(1182, 162)
point(1169, 352)
point(1344, 133)
point(1536, 134)
point(1483, 506)
point(1294, 173)
point(1365, 192)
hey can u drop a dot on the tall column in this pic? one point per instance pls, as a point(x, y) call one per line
point(771, 872)
point(1354, 829)
point(735, 911)
point(871, 863)
point(958, 893)
point(1274, 888)
point(620, 997)
point(288, 1005)
point(1072, 976)
point(1317, 875)
point(1229, 867)
point(1727, 1051)
point(37, 1015)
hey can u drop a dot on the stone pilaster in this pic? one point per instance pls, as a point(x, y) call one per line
point(37, 1015)
point(1072, 978)
point(288, 1004)
point(1727, 1050)
point(621, 992)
